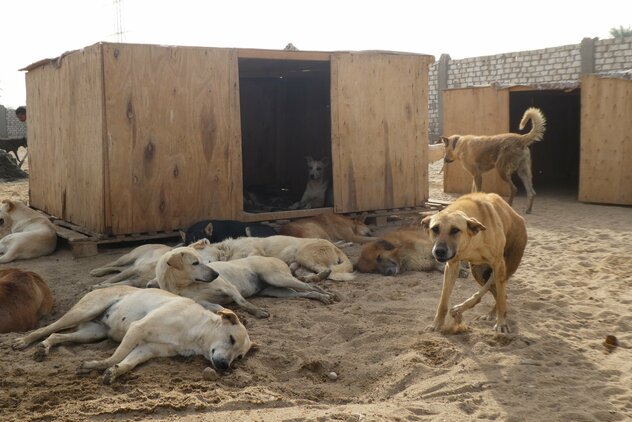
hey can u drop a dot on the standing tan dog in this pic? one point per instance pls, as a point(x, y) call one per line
point(508, 152)
point(148, 323)
point(24, 299)
point(485, 231)
point(32, 234)
point(330, 226)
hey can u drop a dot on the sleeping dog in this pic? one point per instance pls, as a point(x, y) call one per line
point(218, 230)
point(236, 280)
point(148, 323)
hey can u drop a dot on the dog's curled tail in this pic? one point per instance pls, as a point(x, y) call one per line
point(538, 123)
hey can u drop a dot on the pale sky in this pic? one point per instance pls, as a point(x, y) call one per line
point(35, 29)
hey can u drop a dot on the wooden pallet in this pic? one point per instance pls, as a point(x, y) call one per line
point(85, 243)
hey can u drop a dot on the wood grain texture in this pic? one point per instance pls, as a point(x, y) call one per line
point(174, 148)
point(65, 138)
point(606, 141)
point(379, 130)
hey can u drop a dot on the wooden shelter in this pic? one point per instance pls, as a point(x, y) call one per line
point(587, 146)
point(128, 138)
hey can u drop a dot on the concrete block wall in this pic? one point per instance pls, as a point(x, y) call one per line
point(614, 54)
point(546, 66)
point(10, 126)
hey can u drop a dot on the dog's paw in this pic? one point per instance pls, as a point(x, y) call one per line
point(41, 352)
point(435, 326)
point(262, 313)
point(19, 343)
point(83, 369)
point(327, 299)
point(457, 314)
point(109, 375)
point(502, 328)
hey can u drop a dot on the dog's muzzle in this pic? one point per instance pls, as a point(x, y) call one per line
point(442, 253)
point(220, 364)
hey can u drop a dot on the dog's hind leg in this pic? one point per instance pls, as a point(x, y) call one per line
point(85, 333)
point(286, 280)
point(525, 174)
point(106, 269)
point(282, 292)
point(482, 274)
point(506, 176)
point(126, 277)
point(116, 265)
point(88, 308)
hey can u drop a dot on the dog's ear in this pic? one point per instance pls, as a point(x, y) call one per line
point(254, 346)
point(9, 203)
point(175, 261)
point(325, 161)
point(228, 315)
point(474, 226)
point(425, 223)
point(208, 230)
point(386, 245)
point(308, 159)
point(455, 139)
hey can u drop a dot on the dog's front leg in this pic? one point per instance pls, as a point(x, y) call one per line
point(457, 311)
point(140, 354)
point(449, 277)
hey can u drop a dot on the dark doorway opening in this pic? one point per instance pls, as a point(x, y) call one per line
point(556, 158)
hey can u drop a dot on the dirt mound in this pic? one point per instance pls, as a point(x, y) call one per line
point(9, 170)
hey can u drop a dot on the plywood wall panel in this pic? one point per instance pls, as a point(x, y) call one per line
point(379, 106)
point(65, 138)
point(606, 141)
point(174, 149)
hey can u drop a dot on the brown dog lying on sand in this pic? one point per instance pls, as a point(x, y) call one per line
point(485, 231)
point(398, 251)
point(508, 152)
point(24, 299)
point(330, 226)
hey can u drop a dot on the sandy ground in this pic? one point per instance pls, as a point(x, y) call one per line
point(573, 288)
